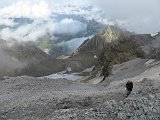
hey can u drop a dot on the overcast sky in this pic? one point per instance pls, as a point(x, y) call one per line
point(141, 16)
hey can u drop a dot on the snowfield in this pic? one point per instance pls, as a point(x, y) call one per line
point(62, 75)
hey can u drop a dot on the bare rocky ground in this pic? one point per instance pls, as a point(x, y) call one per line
point(29, 98)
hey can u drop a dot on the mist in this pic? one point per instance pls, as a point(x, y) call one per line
point(74, 43)
point(134, 15)
point(40, 27)
point(141, 16)
point(26, 9)
point(9, 64)
point(7, 22)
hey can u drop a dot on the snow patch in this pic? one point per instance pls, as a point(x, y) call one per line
point(88, 69)
point(154, 34)
point(63, 75)
point(69, 76)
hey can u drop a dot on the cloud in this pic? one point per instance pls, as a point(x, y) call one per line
point(136, 15)
point(7, 22)
point(34, 8)
point(69, 26)
point(27, 9)
point(68, 2)
point(141, 16)
point(40, 27)
point(73, 44)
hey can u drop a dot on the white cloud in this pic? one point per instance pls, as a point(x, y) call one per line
point(40, 27)
point(34, 8)
point(68, 2)
point(7, 22)
point(27, 9)
point(8, 34)
point(70, 26)
point(141, 16)
point(40, 12)
point(73, 44)
point(137, 15)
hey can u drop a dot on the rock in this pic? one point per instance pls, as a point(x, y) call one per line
point(68, 70)
point(117, 52)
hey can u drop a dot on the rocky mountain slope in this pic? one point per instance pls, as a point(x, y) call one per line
point(114, 46)
point(121, 52)
point(111, 44)
point(34, 98)
point(107, 35)
point(109, 47)
point(87, 53)
point(24, 59)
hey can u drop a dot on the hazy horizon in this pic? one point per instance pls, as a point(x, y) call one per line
point(138, 16)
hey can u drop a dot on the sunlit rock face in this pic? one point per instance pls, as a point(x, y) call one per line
point(111, 34)
point(99, 41)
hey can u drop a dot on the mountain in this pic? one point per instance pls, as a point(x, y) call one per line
point(114, 46)
point(48, 33)
point(26, 97)
point(117, 55)
point(91, 49)
point(54, 46)
point(49, 41)
point(108, 47)
point(98, 42)
point(25, 59)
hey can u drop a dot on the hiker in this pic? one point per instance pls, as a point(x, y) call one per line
point(106, 71)
point(129, 87)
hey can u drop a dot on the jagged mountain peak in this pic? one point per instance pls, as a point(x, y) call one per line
point(112, 33)
point(98, 41)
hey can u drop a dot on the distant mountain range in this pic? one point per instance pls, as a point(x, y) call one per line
point(108, 47)
point(69, 39)
point(46, 33)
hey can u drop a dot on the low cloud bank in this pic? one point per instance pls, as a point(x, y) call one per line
point(27, 9)
point(41, 12)
point(7, 22)
point(141, 16)
point(74, 43)
point(40, 27)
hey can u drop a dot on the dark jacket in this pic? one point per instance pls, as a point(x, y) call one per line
point(129, 85)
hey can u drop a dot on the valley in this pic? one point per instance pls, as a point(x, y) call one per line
point(79, 60)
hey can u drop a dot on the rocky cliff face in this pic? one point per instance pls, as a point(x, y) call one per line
point(125, 47)
point(108, 47)
point(118, 52)
point(99, 41)
point(112, 46)
point(92, 48)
